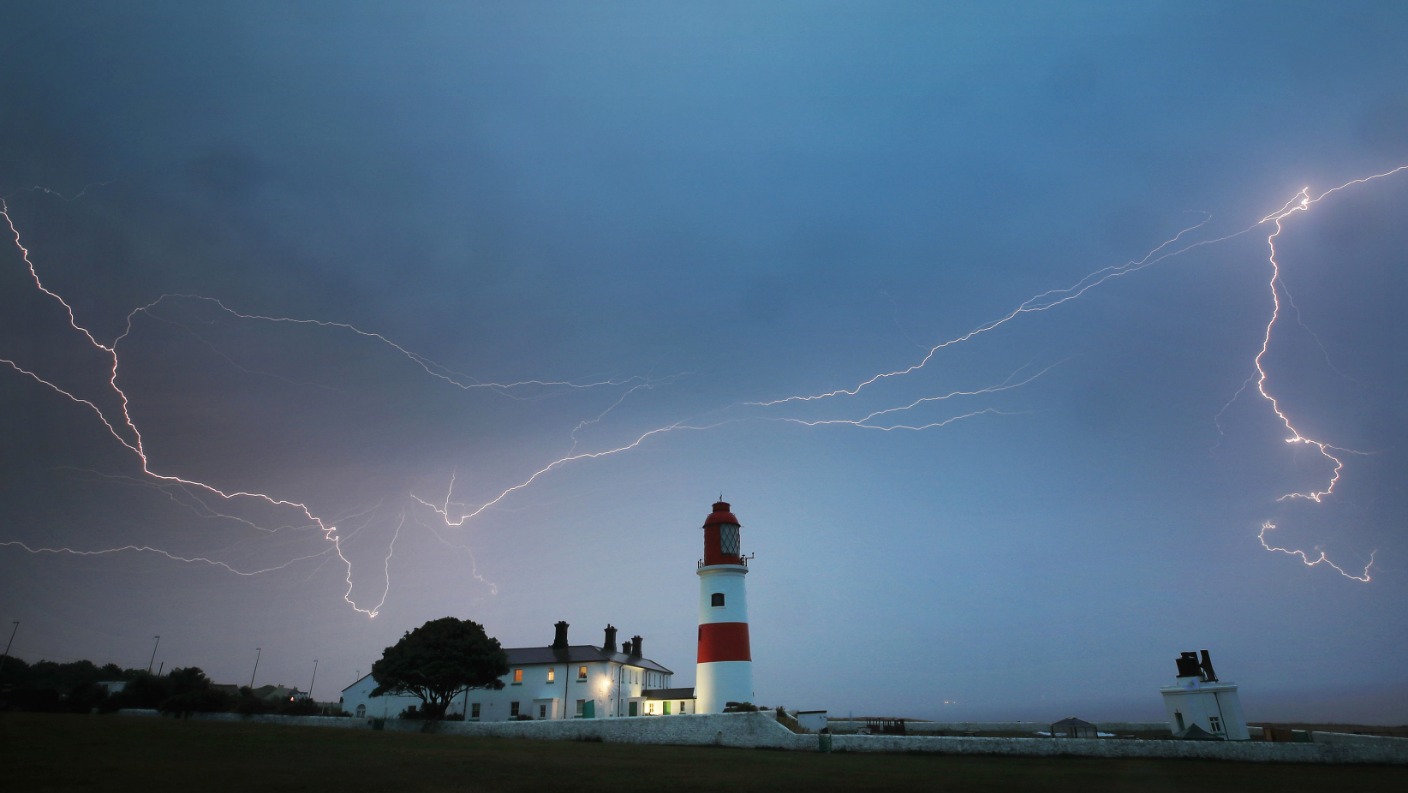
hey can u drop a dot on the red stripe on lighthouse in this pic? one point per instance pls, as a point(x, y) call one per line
point(723, 641)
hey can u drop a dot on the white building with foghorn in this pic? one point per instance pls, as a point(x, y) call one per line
point(1198, 705)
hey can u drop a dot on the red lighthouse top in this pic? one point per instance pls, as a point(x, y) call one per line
point(721, 544)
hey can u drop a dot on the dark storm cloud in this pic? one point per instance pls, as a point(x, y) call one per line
point(751, 200)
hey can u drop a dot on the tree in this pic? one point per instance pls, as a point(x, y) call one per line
point(437, 661)
point(190, 691)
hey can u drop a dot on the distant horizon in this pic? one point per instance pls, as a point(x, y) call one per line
point(1154, 716)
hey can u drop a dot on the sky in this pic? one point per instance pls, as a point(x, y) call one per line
point(980, 315)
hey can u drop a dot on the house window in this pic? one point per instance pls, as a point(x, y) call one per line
point(717, 600)
point(518, 677)
point(552, 674)
point(1216, 724)
point(474, 710)
point(361, 711)
point(650, 708)
point(681, 706)
point(513, 708)
point(581, 673)
point(542, 711)
point(581, 706)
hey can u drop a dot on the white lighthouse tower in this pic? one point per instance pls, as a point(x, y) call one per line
point(724, 672)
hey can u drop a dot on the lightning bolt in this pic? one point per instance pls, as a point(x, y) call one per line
point(132, 438)
point(122, 427)
point(1319, 559)
point(1302, 201)
point(167, 554)
point(1042, 301)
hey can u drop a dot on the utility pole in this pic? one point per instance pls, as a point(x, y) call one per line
point(13, 631)
point(153, 660)
point(258, 651)
point(315, 677)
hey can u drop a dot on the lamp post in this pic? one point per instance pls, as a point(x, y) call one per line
point(153, 659)
point(258, 651)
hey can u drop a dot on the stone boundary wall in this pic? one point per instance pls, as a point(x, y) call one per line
point(1243, 751)
point(738, 730)
point(1354, 739)
point(851, 726)
point(761, 731)
point(292, 721)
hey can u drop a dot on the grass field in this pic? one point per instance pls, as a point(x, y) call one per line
point(62, 752)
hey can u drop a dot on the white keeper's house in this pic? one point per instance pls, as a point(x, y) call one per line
point(559, 681)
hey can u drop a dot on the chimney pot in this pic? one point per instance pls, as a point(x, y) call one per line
point(635, 646)
point(609, 645)
point(559, 640)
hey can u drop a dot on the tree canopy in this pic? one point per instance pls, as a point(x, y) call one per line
point(438, 660)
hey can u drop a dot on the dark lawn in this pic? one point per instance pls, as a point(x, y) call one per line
point(60, 752)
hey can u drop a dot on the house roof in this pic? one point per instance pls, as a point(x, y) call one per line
point(1072, 722)
point(668, 693)
point(575, 654)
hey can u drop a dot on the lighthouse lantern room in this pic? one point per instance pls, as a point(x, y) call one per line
point(724, 672)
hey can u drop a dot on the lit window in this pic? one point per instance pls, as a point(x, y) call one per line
point(552, 674)
point(581, 673)
point(513, 708)
point(518, 677)
point(717, 599)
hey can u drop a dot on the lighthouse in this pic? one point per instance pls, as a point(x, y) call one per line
point(724, 672)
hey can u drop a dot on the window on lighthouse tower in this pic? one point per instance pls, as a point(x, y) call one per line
point(728, 539)
point(716, 600)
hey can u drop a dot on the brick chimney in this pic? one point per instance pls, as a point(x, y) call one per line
point(609, 645)
point(559, 641)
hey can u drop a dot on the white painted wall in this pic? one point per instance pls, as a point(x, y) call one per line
point(720, 682)
point(1197, 702)
point(611, 686)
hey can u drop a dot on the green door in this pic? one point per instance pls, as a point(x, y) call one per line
point(634, 710)
point(589, 709)
point(667, 707)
